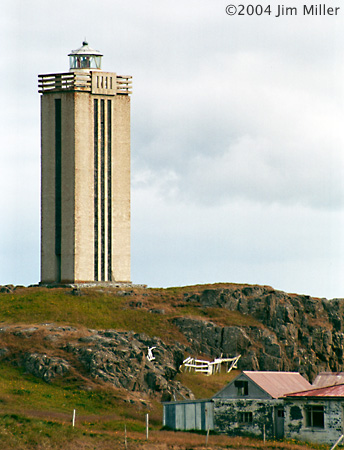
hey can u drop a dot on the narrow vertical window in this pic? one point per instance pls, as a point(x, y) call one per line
point(96, 218)
point(102, 186)
point(109, 186)
point(242, 386)
point(58, 186)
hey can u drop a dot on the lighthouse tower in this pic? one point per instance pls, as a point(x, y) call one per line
point(85, 160)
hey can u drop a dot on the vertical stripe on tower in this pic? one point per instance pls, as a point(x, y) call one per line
point(102, 186)
point(96, 209)
point(58, 186)
point(109, 185)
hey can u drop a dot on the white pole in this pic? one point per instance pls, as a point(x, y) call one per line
point(73, 420)
point(338, 442)
point(206, 439)
point(264, 433)
point(125, 437)
point(206, 426)
point(147, 424)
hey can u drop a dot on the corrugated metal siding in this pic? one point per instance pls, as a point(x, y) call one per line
point(193, 415)
point(169, 416)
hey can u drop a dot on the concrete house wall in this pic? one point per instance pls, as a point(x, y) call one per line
point(247, 411)
point(249, 417)
point(232, 391)
point(296, 426)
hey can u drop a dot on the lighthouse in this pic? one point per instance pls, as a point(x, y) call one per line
point(85, 173)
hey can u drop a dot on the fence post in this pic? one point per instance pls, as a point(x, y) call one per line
point(73, 420)
point(125, 437)
point(147, 425)
point(206, 427)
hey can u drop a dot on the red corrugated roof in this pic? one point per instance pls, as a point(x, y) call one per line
point(329, 391)
point(328, 379)
point(277, 384)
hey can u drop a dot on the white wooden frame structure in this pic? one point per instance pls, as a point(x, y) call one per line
point(210, 367)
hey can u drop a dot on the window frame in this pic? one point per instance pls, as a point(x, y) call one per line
point(245, 417)
point(315, 416)
point(242, 388)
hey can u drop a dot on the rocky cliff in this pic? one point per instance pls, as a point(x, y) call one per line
point(270, 329)
point(297, 333)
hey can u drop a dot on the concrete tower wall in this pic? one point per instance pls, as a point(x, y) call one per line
point(83, 189)
point(85, 234)
point(48, 259)
point(121, 189)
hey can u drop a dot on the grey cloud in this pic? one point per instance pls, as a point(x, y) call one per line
point(236, 138)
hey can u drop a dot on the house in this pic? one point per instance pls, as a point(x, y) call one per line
point(315, 415)
point(274, 404)
point(328, 379)
point(251, 404)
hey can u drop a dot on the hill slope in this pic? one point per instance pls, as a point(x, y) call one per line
point(86, 349)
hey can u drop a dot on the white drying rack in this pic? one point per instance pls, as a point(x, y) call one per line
point(209, 367)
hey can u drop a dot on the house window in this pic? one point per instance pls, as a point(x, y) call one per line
point(242, 387)
point(315, 416)
point(245, 417)
point(280, 413)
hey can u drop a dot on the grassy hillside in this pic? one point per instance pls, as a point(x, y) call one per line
point(37, 415)
point(31, 408)
point(112, 308)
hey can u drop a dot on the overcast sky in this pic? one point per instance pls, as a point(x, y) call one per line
point(237, 137)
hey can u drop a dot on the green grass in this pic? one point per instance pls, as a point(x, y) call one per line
point(25, 393)
point(101, 310)
point(205, 386)
point(17, 431)
point(19, 390)
point(97, 310)
point(92, 310)
point(59, 306)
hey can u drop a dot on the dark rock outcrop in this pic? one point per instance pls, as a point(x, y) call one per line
point(121, 358)
point(297, 332)
point(45, 367)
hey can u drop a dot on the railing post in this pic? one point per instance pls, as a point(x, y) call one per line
point(58, 81)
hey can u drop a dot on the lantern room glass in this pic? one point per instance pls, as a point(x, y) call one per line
point(84, 61)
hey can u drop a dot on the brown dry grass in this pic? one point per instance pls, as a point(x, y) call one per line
point(81, 438)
